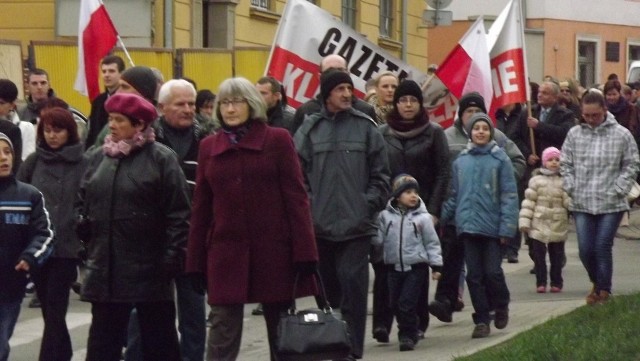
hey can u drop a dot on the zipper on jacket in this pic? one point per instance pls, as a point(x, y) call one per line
point(400, 242)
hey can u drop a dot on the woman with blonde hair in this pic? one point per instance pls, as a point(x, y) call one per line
point(382, 101)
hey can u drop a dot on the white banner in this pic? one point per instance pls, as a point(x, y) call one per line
point(307, 33)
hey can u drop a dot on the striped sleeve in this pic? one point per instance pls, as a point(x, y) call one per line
point(41, 234)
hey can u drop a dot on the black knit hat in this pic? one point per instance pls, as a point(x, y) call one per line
point(408, 87)
point(473, 99)
point(8, 90)
point(6, 139)
point(331, 79)
point(401, 183)
point(142, 79)
point(479, 117)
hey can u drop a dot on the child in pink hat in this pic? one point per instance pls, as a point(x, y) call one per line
point(544, 216)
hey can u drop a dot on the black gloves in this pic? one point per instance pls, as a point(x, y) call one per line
point(306, 268)
point(83, 229)
point(198, 282)
point(173, 262)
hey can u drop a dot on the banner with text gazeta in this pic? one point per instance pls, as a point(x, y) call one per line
point(307, 33)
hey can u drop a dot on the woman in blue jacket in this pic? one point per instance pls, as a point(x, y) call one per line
point(484, 202)
point(26, 240)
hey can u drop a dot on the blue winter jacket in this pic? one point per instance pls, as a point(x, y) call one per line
point(25, 234)
point(484, 196)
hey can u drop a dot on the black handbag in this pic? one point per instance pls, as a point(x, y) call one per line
point(312, 334)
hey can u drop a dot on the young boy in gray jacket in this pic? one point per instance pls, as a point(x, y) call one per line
point(410, 246)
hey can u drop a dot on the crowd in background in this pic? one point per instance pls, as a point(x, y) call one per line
point(167, 198)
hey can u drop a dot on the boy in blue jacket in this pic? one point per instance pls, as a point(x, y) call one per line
point(26, 240)
point(410, 245)
point(484, 203)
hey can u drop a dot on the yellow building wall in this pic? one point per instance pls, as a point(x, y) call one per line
point(182, 24)
point(38, 25)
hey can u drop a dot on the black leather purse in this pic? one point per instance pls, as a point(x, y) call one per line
point(311, 334)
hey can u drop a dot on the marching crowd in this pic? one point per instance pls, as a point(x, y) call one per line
point(167, 198)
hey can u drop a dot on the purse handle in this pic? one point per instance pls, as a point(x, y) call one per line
point(326, 307)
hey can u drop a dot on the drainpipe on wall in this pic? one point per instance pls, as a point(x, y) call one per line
point(403, 54)
point(168, 24)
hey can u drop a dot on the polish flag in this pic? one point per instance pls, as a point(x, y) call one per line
point(96, 37)
point(508, 57)
point(467, 67)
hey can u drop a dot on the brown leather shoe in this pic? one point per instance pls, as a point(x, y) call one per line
point(593, 297)
point(603, 297)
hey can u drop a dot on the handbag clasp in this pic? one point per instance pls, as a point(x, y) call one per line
point(310, 317)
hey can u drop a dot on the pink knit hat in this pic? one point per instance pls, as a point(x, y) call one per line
point(551, 152)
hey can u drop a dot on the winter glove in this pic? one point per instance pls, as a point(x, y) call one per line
point(173, 262)
point(306, 268)
point(198, 282)
point(83, 229)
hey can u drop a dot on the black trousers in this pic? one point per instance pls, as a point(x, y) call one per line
point(344, 267)
point(382, 311)
point(453, 260)
point(53, 283)
point(157, 329)
point(556, 258)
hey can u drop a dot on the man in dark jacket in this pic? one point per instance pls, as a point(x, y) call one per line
point(550, 123)
point(110, 68)
point(344, 160)
point(330, 62)
point(279, 114)
point(178, 130)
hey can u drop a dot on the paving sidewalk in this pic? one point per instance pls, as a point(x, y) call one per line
point(527, 309)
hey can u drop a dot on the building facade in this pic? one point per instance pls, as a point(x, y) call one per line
point(586, 39)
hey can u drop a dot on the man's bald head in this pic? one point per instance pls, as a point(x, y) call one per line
point(333, 61)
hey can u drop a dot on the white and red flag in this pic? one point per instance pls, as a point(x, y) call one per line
point(467, 67)
point(306, 34)
point(96, 38)
point(508, 58)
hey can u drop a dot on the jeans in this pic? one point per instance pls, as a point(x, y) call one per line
point(191, 319)
point(485, 278)
point(191, 324)
point(9, 312)
point(448, 286)
point(405, 290)
point(159, 338)
point(595, 245)
point(53, 282)
point(556, 258)
point(348, 263)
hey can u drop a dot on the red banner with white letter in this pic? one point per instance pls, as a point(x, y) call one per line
point(508, 58)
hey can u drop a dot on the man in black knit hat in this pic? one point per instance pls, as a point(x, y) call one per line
point(344, 159)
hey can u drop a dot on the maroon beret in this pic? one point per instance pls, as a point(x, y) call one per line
point(133, 106)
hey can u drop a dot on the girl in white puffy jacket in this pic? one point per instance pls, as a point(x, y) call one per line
point(544, 215)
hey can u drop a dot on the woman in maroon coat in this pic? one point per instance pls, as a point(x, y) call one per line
point(251, 227)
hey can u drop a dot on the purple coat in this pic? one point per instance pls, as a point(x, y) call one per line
point(251, 219)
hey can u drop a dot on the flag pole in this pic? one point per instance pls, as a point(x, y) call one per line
point(426, 83)
point(532, 138)
point(125, 51)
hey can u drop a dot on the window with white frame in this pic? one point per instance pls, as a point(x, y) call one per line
point(262, 4)
point(386, 18)
point(588, 62)
point(349, 12)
